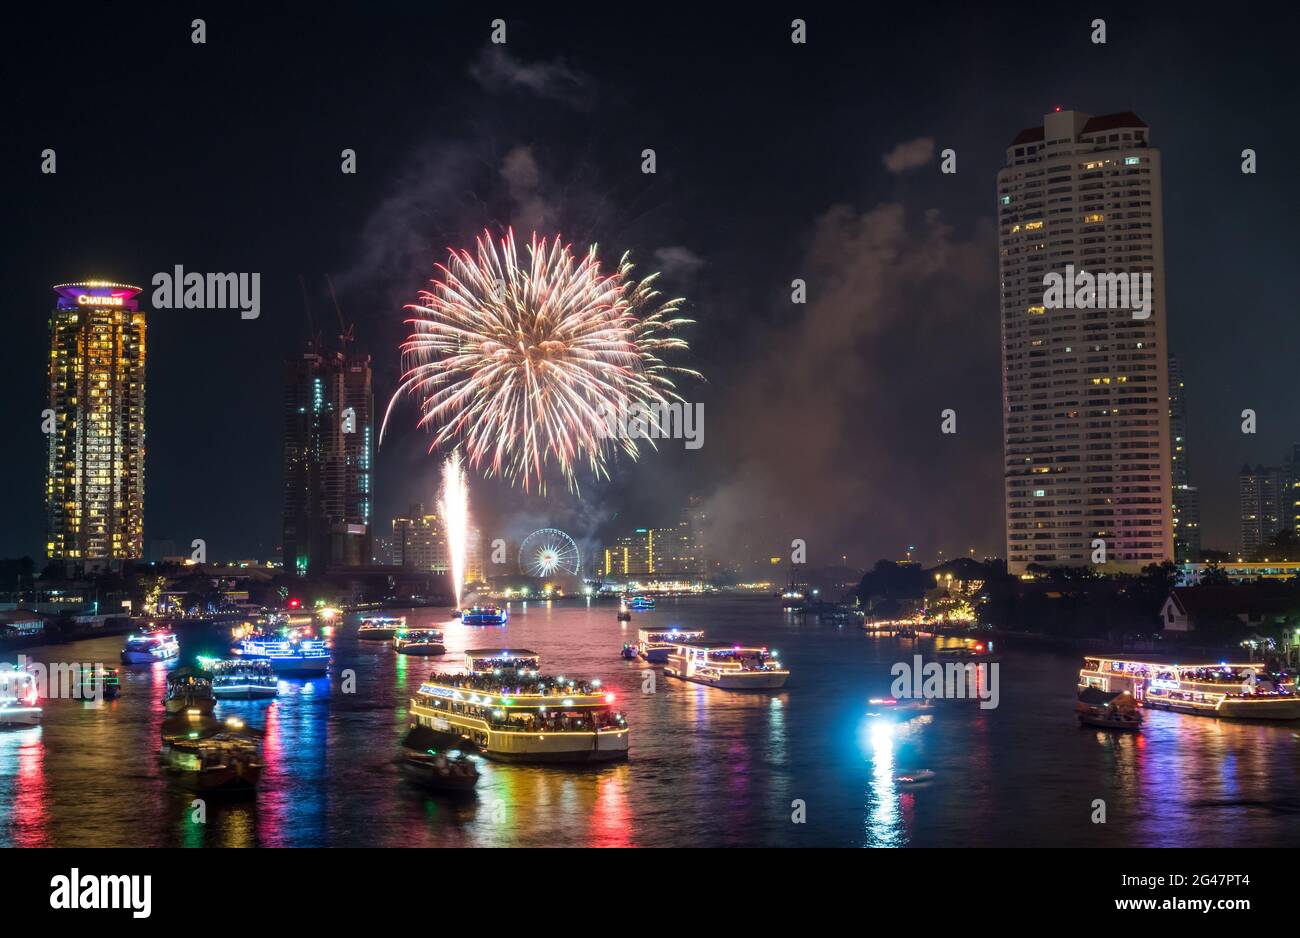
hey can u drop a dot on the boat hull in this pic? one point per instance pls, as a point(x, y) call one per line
point(230, 779)
point(422, 648)
point(300, 667)
point(184, 704)
point(656, 655)
point(376, 635)
point(568, 748)
point(750, 680)
point(20, 716)
point(1285, 709)
point(245, 692)
point(430, 776)
point(145, 657)
point(1123, 726)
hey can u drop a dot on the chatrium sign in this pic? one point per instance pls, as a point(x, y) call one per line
point(97, 294)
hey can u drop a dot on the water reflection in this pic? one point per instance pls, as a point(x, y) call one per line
point(707, 767)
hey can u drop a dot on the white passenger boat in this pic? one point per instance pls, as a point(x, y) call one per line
point(148, 647)
point(502, 706)
point(18, 697)
point(654, 645)
point(1221, 689)
point(380, 628)
point(726, 665)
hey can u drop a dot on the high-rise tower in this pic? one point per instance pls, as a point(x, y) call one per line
point(328, 454)
point(1085, 388)
point(94, 488)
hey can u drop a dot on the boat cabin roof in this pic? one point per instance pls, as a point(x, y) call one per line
point(1173, 662)
point(721, 646)
point(500, 653)
point(669, 633)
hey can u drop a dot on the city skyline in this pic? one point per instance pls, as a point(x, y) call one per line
point(657, 428)
point(232, 392)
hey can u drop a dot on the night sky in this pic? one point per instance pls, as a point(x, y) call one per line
point(822, 421)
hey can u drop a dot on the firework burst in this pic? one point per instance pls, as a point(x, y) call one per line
point(521, 360)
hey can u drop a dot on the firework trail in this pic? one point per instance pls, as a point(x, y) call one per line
point(524, 360)
point(453, 505)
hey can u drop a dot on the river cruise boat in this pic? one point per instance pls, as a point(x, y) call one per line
point(654, 645)
point(484, 615)
point(425, 641)
point(243, 678)
point(380, 628)
point(1108, 710)
point(726, 665)
point(294, 657)
point(641, 603)
point(506, 709)
point(18, 696)
point(1239, 691)
point(189, 690)
point(148, 647)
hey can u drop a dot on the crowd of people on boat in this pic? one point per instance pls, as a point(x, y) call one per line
point(510, 683)
point(506, 664)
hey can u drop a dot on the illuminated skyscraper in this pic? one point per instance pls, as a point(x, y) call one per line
point(1186, 497)
point(328, 454)
point(94, 488)
point(1085, 390)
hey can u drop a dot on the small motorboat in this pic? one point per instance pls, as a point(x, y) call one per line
point(189, 690)
point(624, 614)
point(100, 683)
point(226, 761)
point(914, 777)
point(895, 705)
point(419, 642)
point(1108, 710)
point(629, 652)
point(442, 771)
point(18, 697)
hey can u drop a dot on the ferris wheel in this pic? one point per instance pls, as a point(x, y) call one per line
point(548, 552)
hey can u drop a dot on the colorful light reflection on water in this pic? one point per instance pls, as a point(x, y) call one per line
point(707, 767)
